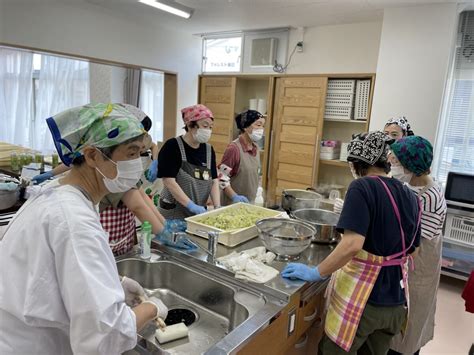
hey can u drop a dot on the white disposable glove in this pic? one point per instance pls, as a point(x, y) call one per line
point(338, 205)
point(133, 291)
point(161, 309)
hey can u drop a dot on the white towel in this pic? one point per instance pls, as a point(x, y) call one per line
point(249, 264)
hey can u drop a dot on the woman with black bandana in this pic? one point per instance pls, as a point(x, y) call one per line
point(397, 128)
point(242, 156)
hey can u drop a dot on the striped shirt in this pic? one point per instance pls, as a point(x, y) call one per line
point(434, 212)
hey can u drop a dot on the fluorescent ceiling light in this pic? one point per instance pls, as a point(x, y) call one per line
point(170, 6)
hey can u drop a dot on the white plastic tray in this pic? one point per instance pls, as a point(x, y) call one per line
point(227, 238)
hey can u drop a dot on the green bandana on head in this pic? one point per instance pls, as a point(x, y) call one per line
point(415, 153)
point(98, 125)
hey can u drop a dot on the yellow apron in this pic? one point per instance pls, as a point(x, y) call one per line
point(351, 286)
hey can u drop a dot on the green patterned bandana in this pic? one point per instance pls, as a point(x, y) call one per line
point(415, 153)
point(97, 125)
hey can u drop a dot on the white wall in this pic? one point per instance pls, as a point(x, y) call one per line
point(351, 48)
point(100, 82)
point(117, 82)
point(415, 50)
point(89, 30)
point(1, 18)
point(106, 83)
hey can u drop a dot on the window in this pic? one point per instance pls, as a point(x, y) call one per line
point(34, 87)
point(152, 101)
point(222, 54)
point(455, 141)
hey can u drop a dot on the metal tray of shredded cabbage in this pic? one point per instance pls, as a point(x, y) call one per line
point(235, 223)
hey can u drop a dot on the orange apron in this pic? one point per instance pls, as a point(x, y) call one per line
point(351, 286)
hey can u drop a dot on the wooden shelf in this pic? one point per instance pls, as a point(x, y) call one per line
point(345, 121)
point(339, 163)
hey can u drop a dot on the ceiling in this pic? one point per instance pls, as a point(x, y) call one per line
point(227, 15)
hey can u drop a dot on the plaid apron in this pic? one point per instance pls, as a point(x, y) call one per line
point(119, 224)
point(351, 286)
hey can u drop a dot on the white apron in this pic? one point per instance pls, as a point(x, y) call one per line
point(423, 283)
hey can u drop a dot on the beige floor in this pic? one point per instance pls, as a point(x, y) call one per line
point(454, 332)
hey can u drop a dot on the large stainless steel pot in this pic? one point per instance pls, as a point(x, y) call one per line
point(323, 221)
point(294, 199)
point(8, 198)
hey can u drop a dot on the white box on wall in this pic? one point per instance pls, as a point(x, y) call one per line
point(263, 52)
point(279, 40)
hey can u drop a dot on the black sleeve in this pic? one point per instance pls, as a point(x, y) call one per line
point(169, 159)
point(355, 214)
point(213, 164)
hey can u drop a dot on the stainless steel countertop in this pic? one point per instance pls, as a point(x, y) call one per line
point(278, 286)
point(278, 289)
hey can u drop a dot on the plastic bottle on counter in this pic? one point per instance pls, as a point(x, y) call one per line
point(145, 240)
point(259, 198)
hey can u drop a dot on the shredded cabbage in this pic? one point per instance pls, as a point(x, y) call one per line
point(236, 218)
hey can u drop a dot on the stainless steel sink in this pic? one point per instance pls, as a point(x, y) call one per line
point(219, 307)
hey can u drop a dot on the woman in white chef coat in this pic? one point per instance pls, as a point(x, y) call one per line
point(60, 291)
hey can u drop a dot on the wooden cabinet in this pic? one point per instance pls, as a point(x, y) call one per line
point(306, 309)
point(218, 93)
point(227, 96)
point(295, 126)
point(274, 339)
point(335, 171)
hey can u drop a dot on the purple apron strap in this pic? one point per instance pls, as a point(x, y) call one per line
point(397, 214)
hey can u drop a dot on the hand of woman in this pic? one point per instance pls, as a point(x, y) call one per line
point(133, 291)
point(302, 272)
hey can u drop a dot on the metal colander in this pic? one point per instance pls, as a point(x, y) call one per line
point(285, 237)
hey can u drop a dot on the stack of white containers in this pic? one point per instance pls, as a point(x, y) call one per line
point(340, 99)
point(330, 150)
point(347, 99)
point(259, 105)
point(344, 154)
point(362, 100)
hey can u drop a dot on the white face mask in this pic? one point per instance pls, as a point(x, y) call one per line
point(203, 135)
point(145, 162)
point(398, 172)
point(128, 174)
point(256, 134)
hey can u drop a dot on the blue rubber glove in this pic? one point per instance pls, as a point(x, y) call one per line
point(38, 179)
point(182, 242)
point(239, 198)
point(302, 272)
point(152, 172)
point(175, 225)
point(195, 209)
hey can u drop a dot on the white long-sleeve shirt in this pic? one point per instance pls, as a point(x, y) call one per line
point(59, 286)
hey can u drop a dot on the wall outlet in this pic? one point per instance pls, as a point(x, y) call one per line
point(299, 46)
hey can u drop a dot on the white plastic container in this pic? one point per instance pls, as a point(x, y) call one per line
point(145, 240)
point(259, 198)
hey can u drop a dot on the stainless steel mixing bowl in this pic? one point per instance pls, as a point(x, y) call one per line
point(285, 237)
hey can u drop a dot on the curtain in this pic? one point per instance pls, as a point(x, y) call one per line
point(151, 101)
point(455, 138)
point(132, 87)
point(63, 83)
point(16, 85)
